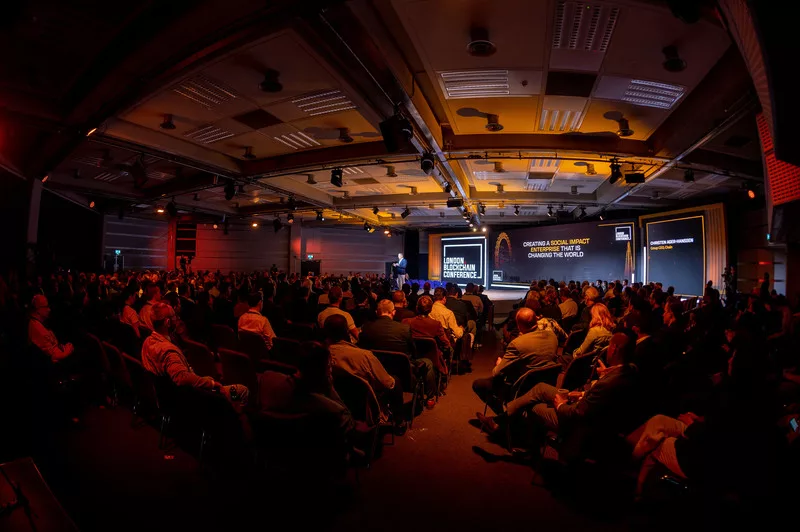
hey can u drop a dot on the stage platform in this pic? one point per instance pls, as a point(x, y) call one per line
point(504, 300)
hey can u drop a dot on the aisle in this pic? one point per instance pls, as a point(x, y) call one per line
point(432, 480)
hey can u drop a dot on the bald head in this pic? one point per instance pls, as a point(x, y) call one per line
point(399, 299)
point(40, 306)
point(526, 319)
point(385, 308)
point(620, 349)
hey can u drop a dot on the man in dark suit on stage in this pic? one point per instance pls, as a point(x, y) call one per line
point(400, 269)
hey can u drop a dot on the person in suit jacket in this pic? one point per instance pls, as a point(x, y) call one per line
point(535, 347)
point(401, 312)
point(423, 326)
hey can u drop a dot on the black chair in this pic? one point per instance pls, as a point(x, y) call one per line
point(223, 337)
point(166, 400)
point(253, 345)
point(285, 350)
point(144, 393)
point(302, 332)
point(579, 371)
point(574, 341)
point(238, 368)
point(96, 351)
point(428, 348)
point(360, 399)
point(119, 371)
point(201, 359)
point(125, 337)
point(462, 352)
point(568, 323)
point(399, 365)
point(523, 384)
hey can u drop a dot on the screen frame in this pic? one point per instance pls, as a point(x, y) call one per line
point(647, 249)
point(481, 241)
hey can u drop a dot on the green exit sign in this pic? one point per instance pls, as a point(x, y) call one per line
point(310, 256)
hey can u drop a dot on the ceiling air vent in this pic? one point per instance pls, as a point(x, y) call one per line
point(538, 184)
point(205, 91)
point(297, 141)
point(108, 177)
point(476, 83)
point(652, 94)
point(544, 165)
point(352, 170)
point(207, 134)
point(560, 121)
point(323, 103)
point(582, 26)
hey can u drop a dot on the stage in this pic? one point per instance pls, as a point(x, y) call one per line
point(504, 300)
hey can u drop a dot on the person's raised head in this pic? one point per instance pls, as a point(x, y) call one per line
point(153, 293)
point(470, 288)
point(439, 294)
point(129, 296)
point(620, 349)
point(335, 295)
point(385, 308)
point(314, 365)
point(255, 301)
point(427, 286)
point(399, 299)
point(452, 290)
point(335, 329)
point(399, 256)
point(526, 319)
point(601, 317)
point(424, 305)
point(591, 295)
point(414, 288)
point(163, 317)
point(40, 306)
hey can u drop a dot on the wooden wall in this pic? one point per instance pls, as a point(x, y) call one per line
point(347, 249)
point(142, 242)
point(242, 249)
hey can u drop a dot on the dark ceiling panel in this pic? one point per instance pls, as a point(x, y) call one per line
point(570, 84)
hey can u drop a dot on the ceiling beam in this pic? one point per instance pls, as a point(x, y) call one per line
point(722, 162)
point(605, 145)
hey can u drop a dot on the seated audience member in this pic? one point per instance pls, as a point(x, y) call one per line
point(364, 364)
point(310, 391)
point(187, 303)
point(471, 297)
point(255, 322)
point(401, 312)
point(181, 332)
point(444, 315)
point(600, 330)
point(657, 300)
point(163, 358)
point(152, 296)
point(459, 309)
point(129, 315)
point(590, 297)
point(534, 347)
point(613, 404)
point(363, 312)
point(242, 305)
point(335, 298)
point(426, 289)
point(413, 297)
point(423, 326)
point(302, 309)
point(42, 337)
point(549, 307)
point(223, 306)
point(385, 334)
point(568, 306)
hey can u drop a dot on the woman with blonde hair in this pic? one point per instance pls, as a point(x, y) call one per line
point(600, 330)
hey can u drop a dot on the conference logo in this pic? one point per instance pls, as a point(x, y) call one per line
point(623, 233)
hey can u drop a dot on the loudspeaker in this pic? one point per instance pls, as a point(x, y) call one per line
point(397, 133)
point(455, 202)
point(634, 178)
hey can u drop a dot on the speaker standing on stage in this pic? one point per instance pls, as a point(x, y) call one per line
point(400, 269)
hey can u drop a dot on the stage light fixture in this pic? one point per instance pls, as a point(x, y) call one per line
point(160, 210)
point(493, 123)
point(688, 175)
point(672, 59)
point(368, 228)
point(624, 128)
point(502, 214)
point(500, 189)
point(413, 190)
point(215, 226)
point(45, 178)
point(590, 170)
point(516, 210)
point(483, 229)
point(387, 232)
point(479, 44)
point(290, 218)
point(573, 190)
point(291, 203)
point(375, 210)
point(474, 229)
point(427, 163)
point(602, 217)
point(448, 188)
point(172, 209)
point(336, 177)
point(751, 192)
point(167, 123)
point(255, 225)
point(582, 215)
point(230, 190)
point(390, 171)
point(248, 153)
point(270, 82)
point(550, 211)
point(397, 132)
point(482, 209)
point(91, 204)
point(616, 172)
point(406, 212)
point(320, 217)
point(138, 172)
point(310, 179)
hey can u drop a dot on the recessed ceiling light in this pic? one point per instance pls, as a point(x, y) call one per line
point(270, 82)
point(248, 153)
point(167, 123)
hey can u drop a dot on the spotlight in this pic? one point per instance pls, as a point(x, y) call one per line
point(320, 217)
point(405, 213)
point(248, 153)
point(672, 61)
point(624, 128)
point(448, 188)
point(336, 177)
point(290, 218)
point(413, 191)
point(230, 190)
point(482, 209)
point(493, 123)
point(498, 167)
point(474, 229)
point(390, 171)
point(160, 210)
point(368, 228)
point(215, 226)
point(516, 210)
point(751, 192)
point(344, 135)
point(276, 224)
point(483, 229)
point(590, 169)
point(550, 211)
point(167, 123)
point(271, 83)
point(139, 172)
point(479, 43)
point(387, 232)
point(616, 172)
point(291, 203)
point(172, 209)
point(45, 178)
point(91, 204)
point(375, 210)
point(254, 224)
point(582, 215)
point(397, 132)
point(426, 162)
point(688, 175)
point(573, 190)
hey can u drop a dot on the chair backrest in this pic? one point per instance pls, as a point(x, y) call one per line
point(463, 349)
point(142, 382)
point(578, 371)
point(125, 337)
point(285, 350)
point(574, 340)
point(201, 359)
point(95, 347)
point(119, 371)
point(302, 331)
point(358, 396)
point(546, 374)
point(253, 345)
point(568, 323)
point(238, 368)
point(223, 337)
point(426, 348)
point(166, 392)
point(398, 365)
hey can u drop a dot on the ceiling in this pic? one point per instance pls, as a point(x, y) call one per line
point(272, 99)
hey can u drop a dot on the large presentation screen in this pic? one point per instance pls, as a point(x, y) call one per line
point(464, 260)
point(581, 251)
point(676, 254)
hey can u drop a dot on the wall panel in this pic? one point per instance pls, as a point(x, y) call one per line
point(242, 249)
point(346, 249)
point(143, 243)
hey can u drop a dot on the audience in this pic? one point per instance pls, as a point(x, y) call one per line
point(400, 311)
point(255, 322)
point(335, 298)
point(600, 329)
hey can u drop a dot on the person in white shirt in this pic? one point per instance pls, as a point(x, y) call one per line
point(255, 322)
point(568, 306)
point(471, 296)
point(335, 297)
point(152, 296)
point(444, 315)
point(129, 315)
point(42, 337)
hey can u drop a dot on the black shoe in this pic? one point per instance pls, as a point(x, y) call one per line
point(488, 423)
point(400, 428)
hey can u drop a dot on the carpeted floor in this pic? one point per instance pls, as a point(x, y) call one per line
point(110, 476)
